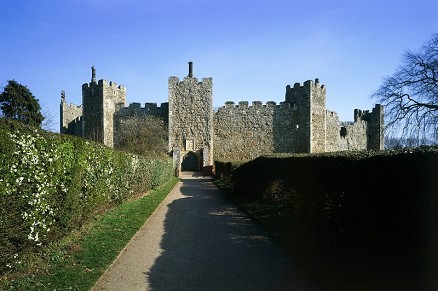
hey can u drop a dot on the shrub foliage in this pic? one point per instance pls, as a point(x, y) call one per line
point(385, 201)
point(18, 103)
point(51, 184)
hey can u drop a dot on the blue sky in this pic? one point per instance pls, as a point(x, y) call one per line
point(251, 49)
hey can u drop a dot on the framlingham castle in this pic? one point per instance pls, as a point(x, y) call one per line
point(198, 135)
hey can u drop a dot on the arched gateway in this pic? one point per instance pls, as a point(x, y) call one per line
point(190, 163)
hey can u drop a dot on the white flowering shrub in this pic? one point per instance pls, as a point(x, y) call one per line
point(51, 184)
point(31, 180)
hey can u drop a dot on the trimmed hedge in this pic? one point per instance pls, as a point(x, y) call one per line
point(384, 202)
point(51, 184)
point(225, 169)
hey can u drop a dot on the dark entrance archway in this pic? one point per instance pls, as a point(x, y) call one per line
point(190, 163)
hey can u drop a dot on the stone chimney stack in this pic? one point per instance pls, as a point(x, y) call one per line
point(93, 74)
point(190, 69)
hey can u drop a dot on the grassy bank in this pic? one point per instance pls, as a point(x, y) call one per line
point(77, 262)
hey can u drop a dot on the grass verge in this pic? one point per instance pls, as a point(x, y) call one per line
point(77, 262)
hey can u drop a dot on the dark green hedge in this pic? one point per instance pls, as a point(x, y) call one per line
point(385, 202)
point(51, 184)
point(225, 169)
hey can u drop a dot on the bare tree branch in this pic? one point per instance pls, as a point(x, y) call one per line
point(410, 95)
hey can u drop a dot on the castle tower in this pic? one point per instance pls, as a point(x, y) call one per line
point(375, 128)
point(310, 103)
point(191, 122)
point(100, 101)
point(70, 117)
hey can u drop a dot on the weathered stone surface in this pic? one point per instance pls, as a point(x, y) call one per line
point(245, 132)
point(191, 116)
point(300, 124)
point(99, 105)
point(71, 117)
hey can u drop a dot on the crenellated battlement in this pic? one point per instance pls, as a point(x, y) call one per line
point(135, 109)
point(374, 116)
point(148, 106)
point(103, 84)
point(302, 93)
point(299, 88)
point(255, 105)
point(190, 81)
point(331, 114)
point(300, 123)
point(72, 106)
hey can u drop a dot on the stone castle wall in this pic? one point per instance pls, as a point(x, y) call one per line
point(245, 132)
point(149, 109)
point(366, 132)
point(191, 116)
point(300, 124)
point(375, 120)
point(71, 117)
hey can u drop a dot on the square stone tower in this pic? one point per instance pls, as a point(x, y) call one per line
point(100, 101)
point(191, 122)
point(310, 103)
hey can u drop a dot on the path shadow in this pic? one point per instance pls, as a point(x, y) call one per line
point(187, 174)
point(209, 244)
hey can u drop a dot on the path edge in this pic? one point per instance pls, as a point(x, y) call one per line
point(132, 238)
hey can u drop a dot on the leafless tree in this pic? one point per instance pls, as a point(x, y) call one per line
point(49, 120)
point(410, 95)
point(142, 135)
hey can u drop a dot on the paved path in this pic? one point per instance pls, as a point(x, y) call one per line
point(198, 240)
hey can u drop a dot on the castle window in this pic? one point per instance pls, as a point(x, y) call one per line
point(189, 145)
point(343, 131)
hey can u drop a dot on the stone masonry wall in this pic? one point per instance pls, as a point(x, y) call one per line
point(318, 116)
point(149, 109)
point(100, 101)
point(245, 132)
point(70, 114)
point(301, 124)
point(299, 98)
point(375, 128)
point(333, 132)
point(356, 136)
point(92, 116)
point(345, 136)
point(114, 97)
point(191, 116)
